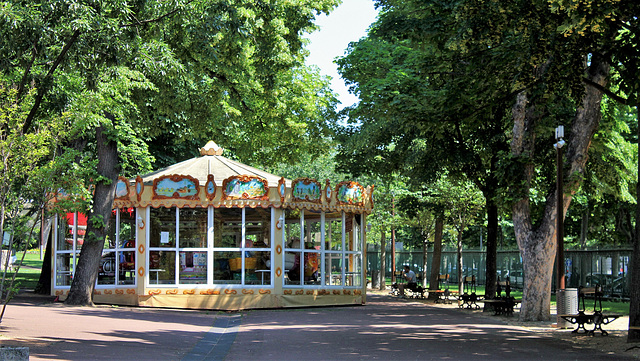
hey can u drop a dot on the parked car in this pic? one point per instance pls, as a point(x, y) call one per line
point(601, 279)
point(516, 277)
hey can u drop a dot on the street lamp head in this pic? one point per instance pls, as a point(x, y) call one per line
point(559, 136)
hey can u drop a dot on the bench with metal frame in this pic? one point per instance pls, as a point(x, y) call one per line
point(469, 301)
point(597, 318)
point(503, 305)
point(443, 293)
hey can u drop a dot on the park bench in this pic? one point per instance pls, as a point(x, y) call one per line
point(469, 300)
point(597, 318)
point(413, 292)
point(443, 294)
point(394, 286)
point(503, 305)
point(417, 291)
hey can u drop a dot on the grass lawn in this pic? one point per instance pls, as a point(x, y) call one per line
point(30, 271)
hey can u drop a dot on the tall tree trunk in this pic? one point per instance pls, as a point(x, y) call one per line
point(634, 307)
point(383, 261)
point(537, 245)
point(84, 280)
point(44, 282)
point(437, 254)
point(492, 248)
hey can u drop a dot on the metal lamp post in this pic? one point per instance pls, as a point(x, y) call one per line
point(560, 290)
point(560, 206)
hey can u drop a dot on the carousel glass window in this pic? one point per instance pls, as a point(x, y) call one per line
point(192, 239)
point(257, 261)
point(242, 246)
point(293, 246)
point(162, 245)
point(71, 229)
point(303, 248)
point(328, 254)
point(303, 251)
point(178, 246)
point(334, 244)
point(118, 264)
point(353, 275)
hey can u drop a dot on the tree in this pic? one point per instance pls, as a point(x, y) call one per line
point(125, 72)
point(464, 202)
point(427, 105)
point(602, 209)
point(28, 167)
point(537, 243)
point(458, 204)
point(423, 220)
point(444, 86)
point(617, 23)
point(384, 220)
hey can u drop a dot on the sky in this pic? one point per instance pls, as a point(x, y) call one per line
point(348, 22)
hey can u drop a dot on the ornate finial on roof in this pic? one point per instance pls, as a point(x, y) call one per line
point(211, 148)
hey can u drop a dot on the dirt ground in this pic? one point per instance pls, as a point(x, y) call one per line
point(614, 343)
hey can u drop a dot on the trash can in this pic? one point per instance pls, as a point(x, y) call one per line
point(566, 304)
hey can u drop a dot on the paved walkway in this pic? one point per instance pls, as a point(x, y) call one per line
point(386, 329)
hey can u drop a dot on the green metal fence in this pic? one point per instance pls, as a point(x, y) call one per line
point(607, 268)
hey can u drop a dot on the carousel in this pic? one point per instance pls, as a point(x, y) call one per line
point(213, 233)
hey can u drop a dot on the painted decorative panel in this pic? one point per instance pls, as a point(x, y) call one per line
point(281, 189)
point(175, 186)
point(139, 187)
point(371, 195)
point(210, 188)
point(350, 193)
point(245, 187)
point(122, 188)
point(327, 192)
point(305, 189)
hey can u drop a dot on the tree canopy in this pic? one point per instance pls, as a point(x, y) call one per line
point(123, 74)
point(476, 88)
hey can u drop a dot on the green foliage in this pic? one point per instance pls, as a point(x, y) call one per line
point(140, 71)
point(229, 71)
point(437, 81)
point(319, 167)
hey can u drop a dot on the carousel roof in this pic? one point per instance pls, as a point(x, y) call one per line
point(212, 162)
